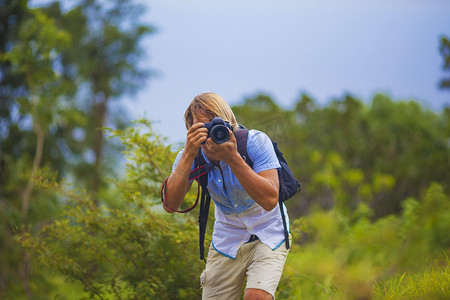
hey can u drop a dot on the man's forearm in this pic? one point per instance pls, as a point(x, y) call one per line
point(262, 187)
point(178, 183)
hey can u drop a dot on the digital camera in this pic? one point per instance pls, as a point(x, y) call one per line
point(218, 130)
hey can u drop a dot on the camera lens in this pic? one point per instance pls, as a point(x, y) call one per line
point(219, 134)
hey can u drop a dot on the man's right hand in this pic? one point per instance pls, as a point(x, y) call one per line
point(196, 135)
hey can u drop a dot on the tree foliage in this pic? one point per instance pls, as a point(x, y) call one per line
point(375, 175)
point(356, 258)
point(445, 52)
point(133, 250)
point(348, 152)
point(30, 56)
point(48, 123)
point(104, 62)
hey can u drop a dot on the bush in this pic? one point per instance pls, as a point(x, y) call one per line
point(355, 258)
point(128, 248)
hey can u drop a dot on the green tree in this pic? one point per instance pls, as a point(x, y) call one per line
point(104, 61)
point(347, 152)
point(47, 123)
point(31, 57)
point(445, 52)
point(11, 86)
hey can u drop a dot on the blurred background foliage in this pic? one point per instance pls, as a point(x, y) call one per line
point(350, 152)
point(80, 215)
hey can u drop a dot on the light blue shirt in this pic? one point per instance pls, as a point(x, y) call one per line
point(237, 215)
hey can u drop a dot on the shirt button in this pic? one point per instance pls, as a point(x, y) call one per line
point(219, 180)
point(235, 205)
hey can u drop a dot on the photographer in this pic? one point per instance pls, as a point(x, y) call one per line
point(248, 237)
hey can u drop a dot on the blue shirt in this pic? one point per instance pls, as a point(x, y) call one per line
point(237, 214)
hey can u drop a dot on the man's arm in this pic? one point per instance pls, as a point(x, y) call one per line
point(262, 187)
point(178, 184)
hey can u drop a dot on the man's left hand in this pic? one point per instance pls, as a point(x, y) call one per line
point(223, 152)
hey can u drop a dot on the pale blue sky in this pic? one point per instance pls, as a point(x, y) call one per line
point(282, 48)
point(326, 48)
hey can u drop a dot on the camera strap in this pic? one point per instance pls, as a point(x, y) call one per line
point(201, 170)
point(203, 214)
point(197, 173)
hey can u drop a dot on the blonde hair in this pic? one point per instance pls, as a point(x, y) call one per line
point(213, 106)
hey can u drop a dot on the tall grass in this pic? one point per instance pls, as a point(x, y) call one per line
point(429, 284)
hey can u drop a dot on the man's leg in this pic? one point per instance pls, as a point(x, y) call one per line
point(223, 277)
point(255, 294)
point(264, 271)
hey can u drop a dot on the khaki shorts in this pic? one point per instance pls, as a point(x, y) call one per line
point(224, 277)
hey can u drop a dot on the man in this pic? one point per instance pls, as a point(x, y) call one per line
point(248, 238)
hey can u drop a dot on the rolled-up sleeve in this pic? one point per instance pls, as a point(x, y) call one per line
point(261, 151)
point(177, 160)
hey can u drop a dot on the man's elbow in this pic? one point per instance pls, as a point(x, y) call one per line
point(167, 209)
point(271, 202)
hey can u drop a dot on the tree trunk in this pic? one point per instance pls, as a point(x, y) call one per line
point(37, 161)
point(26, 195)
point(100, 111)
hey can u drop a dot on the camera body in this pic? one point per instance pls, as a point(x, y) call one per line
point(218, 130)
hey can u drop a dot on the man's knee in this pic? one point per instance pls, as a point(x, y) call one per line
point(257, 294)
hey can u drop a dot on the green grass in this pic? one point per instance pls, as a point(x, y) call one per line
point(431, 284)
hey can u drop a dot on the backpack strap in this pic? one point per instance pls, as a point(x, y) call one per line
point(283, 217)
point(241, 140)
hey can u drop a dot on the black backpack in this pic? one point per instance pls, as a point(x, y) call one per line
point(289, 186)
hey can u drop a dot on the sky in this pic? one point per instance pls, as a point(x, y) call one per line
point(283, 48)
point(239, 48)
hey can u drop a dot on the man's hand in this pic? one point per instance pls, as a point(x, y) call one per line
point(224, 152)
point(262, 187)
point(196, 135)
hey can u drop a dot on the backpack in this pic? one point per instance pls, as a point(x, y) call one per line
point(288, 184)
